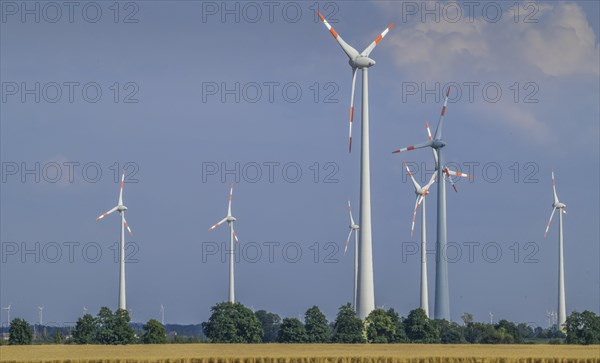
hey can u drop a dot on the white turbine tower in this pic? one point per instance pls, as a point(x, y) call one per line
point(421, 192)
point(557, 205)
point(41, 314)
point(8, 312)
point(121, 208)
point(442, 294)
point(230, 219)
point(491, 318)
point(353, 228)
point(85, 310)
point(162, 314)
point(365, 290)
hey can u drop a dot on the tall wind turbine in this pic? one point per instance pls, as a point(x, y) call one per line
point(365, 290)
point(8, 312)
point(121, 209)
point(442, 298)
point(557, 205)
point(353, 228)
point(421, 192)
point(229, 219)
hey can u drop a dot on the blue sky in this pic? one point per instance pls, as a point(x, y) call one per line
point(176, 126)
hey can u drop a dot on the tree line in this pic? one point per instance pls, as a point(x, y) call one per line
point(235, 323)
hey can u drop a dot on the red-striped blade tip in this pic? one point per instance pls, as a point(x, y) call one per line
point(448, 92)
point(395, 151)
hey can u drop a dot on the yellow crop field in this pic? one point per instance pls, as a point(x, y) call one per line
point(301, 353)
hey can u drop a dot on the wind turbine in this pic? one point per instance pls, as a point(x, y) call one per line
point(491, 318)
point(41, 314)
point(353, 228)
point(121, 208)
point(85, 310)
point(162, 314)
point(8, 312)
point(421, 192)
point(442, 299)
point(229, 219)
point(365, 289)
point(557, 205)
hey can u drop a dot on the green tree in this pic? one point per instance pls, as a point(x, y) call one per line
point(292, 331)
point(450, 332)
point(380, 328)
point(479, 333)
point(511, 329)
point(348, 328)
point(105, 333)
point(582, 328)
point(317, 327)
point(270, 325)
point(85, 330)
point(420, 329)
point(57, 338)
point(399, 331)
point(467, 318)
point(154, 333)
point(232, 323)
point(123, 331)
point(20, 332)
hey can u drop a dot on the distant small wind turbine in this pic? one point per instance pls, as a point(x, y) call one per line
point(229, 219)
point(41, 314)
point(353, 228)
point(421, 192)
point(85, 310)
point(121, 208)
point(8, 312)
point(557, 205)
point(491, 318)
point(162, 314)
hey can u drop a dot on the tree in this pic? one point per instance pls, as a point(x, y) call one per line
point(270, 325)
point(232, 323)
point(317, 327)
point(380, 328)
point(510, 329)
point(154, 333)
point(348, 328)
point(85, 330)
point(582, 328)
point(57, 338)
point(123, 331)
point(292, 331)
point(399, 332)
point(450, 332)
point(104, 327)
point(420, 329)
point(467, 318)
point(20, 332)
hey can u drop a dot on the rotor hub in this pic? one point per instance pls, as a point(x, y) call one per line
point(438, 144)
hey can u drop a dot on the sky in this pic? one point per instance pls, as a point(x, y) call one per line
point(191, 96)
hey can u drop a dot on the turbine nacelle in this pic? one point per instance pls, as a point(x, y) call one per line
point(438, 144)
point(354, 227)
point(559, 205)
point(361, 62)
point(230, 219)
point(121, 208)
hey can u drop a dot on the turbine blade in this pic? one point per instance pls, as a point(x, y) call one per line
point(121, 191)
point(230, 197)
point(433, 151)
point(413, 147)
point(416, 185)
point(127, 226)
point(447, 172)
point(554, 188)
point(371, 46)
point(348, 241)
point(107, 213)
point(438, 131)
point(431, 181)
point(458, 173)
point(350, 52)
point(549, 221)
point(235, 236)
point(414, 217)
point(354, 69)
point(350, 211)
point(217, 224)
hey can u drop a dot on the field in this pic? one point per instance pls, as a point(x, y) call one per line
point(302, 353)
